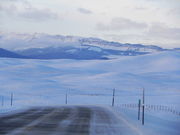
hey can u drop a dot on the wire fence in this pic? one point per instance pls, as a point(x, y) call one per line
point(72, 99)
point(148, 107)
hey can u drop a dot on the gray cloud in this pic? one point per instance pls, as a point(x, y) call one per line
point(38, 14)
point(8, 7)
point(174, 11)
point(28, 11)
point(125, 38)
point(140, 8)
point(157, 33)
point(120, 23)
point(162, 0)
point(159, 30)
point(11, 0)
point(84, 11)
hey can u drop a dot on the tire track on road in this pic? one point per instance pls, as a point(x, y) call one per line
point(103, 122)
point(48, 124)
point(15, 121)
point(80, 124)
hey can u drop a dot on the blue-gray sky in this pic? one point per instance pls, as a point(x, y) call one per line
point(127, 21)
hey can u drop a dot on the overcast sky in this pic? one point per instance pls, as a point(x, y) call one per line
point(127, 21)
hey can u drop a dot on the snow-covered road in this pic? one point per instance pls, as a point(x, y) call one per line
point(68, 120)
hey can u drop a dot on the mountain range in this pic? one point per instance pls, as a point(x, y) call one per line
point(44, 46)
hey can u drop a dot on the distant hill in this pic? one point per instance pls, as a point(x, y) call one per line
point(9, 54)
point(44, 46)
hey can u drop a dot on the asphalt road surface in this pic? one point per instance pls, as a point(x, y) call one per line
point(68, 120)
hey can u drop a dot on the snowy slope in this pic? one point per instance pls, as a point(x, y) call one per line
point(33, 81)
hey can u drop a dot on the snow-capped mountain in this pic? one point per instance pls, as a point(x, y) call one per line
point(44, 46)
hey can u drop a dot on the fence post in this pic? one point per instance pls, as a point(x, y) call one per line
point(113, 97)
point(2, 101)
point(139, 109)
point(66, 98)
point(143, 107)
point(11, 99)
